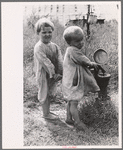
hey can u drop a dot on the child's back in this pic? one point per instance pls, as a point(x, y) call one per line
point(77, 78)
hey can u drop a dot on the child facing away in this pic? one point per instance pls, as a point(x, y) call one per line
point(77, 79)
point(48, 64)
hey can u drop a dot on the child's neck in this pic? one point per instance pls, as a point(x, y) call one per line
point(45, 43)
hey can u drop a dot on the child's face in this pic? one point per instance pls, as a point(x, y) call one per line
point(79, 43)
point(46, 34)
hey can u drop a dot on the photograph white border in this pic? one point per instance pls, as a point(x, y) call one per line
point(12, 76)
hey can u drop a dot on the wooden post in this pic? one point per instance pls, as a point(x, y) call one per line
point(88, 27)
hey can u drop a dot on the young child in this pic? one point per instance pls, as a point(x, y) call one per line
point(77, 79)
point(48, 64)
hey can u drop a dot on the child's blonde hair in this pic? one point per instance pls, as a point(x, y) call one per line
point(73, 33)
point(43, 22)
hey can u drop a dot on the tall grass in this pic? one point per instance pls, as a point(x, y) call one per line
point(103, 36)
point(99, 115)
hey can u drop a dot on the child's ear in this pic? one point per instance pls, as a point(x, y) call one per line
point(38, 29)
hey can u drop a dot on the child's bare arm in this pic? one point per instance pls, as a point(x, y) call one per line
point(95, 66)
point(57, 77)
point(60, 60)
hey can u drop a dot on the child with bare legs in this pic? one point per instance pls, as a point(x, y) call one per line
point(77, 79)
point(48, 64)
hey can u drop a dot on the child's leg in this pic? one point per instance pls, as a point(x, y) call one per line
point(46, 110)
point(69, 119)
point(74, 111)
point(45, 107)
point(44, 99)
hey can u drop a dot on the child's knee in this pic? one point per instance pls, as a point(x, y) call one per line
point(73, 103)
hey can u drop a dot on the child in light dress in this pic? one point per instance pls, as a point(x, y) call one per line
point(77, 79)
point(48, 64)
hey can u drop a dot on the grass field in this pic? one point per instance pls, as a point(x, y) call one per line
point(103, 130)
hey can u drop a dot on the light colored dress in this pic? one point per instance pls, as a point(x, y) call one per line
point(48, 61)
point(77, 79)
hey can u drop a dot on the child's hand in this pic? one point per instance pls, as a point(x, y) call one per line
point(95, 66)
point(57, 77)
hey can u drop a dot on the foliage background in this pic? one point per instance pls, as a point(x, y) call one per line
point(105, 128)
point(103, 36)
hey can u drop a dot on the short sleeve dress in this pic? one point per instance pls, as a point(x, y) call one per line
point(77, 78)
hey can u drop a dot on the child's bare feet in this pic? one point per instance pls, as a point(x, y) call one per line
point(70, 122)
point(51, 116)
point(81, 126)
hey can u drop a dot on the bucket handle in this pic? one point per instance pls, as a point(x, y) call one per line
point(100, 69)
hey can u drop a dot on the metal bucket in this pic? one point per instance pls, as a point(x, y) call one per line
point(101, 57)
point(102, 80)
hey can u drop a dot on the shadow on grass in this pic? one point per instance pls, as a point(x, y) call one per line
point(100, 117)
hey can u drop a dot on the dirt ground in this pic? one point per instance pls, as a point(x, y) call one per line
point(41, 132)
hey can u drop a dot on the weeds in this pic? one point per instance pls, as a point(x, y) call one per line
point(103, 36)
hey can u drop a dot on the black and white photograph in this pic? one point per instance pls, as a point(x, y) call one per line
point(61, 70)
